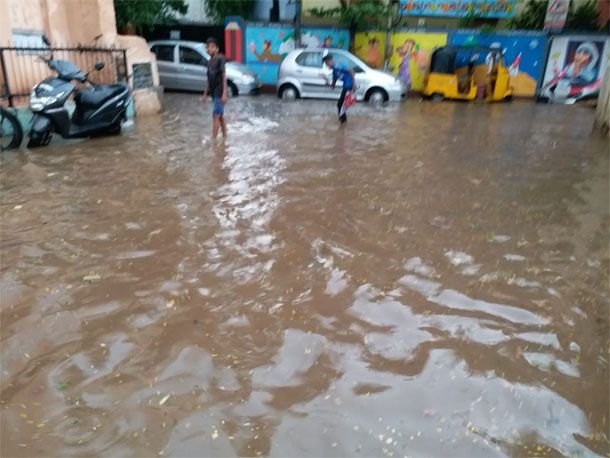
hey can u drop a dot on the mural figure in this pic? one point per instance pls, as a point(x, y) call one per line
point(583, 67)
point(411, 50)
point(579, 75)
point(328, 42)
point(372, 56)
point(266, 55)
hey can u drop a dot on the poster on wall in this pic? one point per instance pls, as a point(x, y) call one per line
point(410, 56)
point(523, 55)
point(459, 8)
point(268, 44)
point(574, 68)
point(370, 47)
point(556, 14)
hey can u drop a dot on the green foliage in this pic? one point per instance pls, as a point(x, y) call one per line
point(532, 18)
point(584, 17)
point(581, 17)
point(219, 9)
point(139, 14)
point(360, 15)
point(469, 21)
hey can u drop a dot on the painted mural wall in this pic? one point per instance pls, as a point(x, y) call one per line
point(370, 47)
point(523, 55)
point(574, 68)
point(268, 44)
point(410, 55)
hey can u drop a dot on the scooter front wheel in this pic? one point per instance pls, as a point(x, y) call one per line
point(38, 139)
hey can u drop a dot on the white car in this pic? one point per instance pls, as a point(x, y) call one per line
point(303, 74)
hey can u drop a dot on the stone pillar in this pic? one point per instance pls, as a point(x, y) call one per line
point(602, 112)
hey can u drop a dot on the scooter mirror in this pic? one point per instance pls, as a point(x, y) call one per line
point(99, 66)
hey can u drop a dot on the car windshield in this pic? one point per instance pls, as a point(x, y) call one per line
point(203, 49)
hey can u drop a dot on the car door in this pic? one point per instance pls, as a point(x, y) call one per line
point(310, 72)
point(192, 67)
point(166, 64)
point(345, 60)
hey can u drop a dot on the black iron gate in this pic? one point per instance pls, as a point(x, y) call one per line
point(22, 67)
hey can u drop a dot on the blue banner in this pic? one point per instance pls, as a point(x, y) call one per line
point(459, 8)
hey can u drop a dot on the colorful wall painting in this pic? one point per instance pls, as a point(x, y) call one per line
point(268, 44)
point(370, 47)
point(459, 8)
point(574, 68)
point(410, 55)
point(523, 55)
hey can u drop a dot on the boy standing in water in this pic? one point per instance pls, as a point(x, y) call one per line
point(217, 87)
point(340, 73)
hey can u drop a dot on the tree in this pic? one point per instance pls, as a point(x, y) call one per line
point(583, 17)
point(359, 15)
point(532, 18)
point(140, 14)
point(219, 9)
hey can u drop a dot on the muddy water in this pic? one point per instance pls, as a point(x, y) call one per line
point(431, 280)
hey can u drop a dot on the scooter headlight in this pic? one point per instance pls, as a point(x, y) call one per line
point(39, 103)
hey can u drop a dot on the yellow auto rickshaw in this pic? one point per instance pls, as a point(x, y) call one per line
point(467, 73)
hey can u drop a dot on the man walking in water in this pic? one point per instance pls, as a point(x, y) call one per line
point(340, 73)
point(217, 87)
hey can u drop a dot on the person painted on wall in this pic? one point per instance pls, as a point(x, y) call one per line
point(582, 68)
point(373, 55)
point(328, 42)
point(347, 76)
point(267, 54)
point(405, 52)
point(217, 88)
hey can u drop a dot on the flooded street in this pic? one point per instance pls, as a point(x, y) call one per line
point(430, 280)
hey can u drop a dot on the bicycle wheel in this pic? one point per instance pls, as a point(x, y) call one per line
point(11, 133)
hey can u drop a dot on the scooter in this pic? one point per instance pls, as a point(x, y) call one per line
point(99, 109)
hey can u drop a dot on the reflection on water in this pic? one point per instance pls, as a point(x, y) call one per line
point(429, 280)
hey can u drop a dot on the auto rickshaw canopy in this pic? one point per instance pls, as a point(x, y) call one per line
point(448, 58)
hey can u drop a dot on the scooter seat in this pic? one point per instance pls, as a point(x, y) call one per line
point(97, 96)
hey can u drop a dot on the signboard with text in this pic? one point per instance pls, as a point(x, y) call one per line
point(459, 8)
point(556, 14)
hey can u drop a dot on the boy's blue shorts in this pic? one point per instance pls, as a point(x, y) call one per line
point(219, 108)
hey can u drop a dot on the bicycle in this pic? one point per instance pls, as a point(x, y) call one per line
point(11, 133)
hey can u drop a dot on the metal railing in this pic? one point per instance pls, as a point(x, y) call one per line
point(21, 67)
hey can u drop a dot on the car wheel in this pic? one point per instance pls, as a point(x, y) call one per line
point(289, 92)
point(437, 97)
point(232, 89)
point(377, 97)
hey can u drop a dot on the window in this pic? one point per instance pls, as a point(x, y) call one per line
point(310, 59)
point(190, 56)
point(344, 61)
point(164, 52)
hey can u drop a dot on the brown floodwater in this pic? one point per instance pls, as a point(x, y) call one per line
point(429, 280)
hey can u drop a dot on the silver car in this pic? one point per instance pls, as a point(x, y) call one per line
point(182, 65)
point(302, 74)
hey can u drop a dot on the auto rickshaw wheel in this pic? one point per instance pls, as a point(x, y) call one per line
point(437, 97)
point(508, 99)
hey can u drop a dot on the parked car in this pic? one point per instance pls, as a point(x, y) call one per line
point(182, 65)
point(302, 74)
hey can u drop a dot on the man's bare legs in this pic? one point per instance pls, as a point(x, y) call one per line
point(223, 125)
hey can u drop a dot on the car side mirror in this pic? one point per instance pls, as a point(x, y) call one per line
point(358, 70)
point(45, 40)
point(99, 66)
